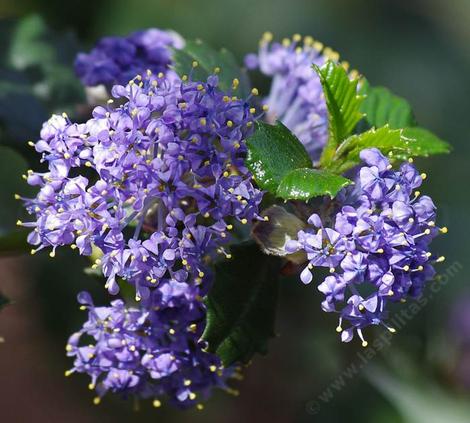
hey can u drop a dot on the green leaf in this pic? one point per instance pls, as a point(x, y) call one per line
point(273, 152)
point(30, 45)
point(343, 105)
point(424, 143)
point(385, 139)
point(381, 108)
point(241, 306)
point(398, 144)
point(208, 59)
point(303, 184)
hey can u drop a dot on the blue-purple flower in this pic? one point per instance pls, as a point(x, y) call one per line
point(378, 251)
point(296, 96)
point(146, 353)
point(117, 60)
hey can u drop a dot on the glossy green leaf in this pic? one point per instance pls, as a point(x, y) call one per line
point(343, 103)
point(397, 144)
point(381, 107)
point(241, 305)
point(385, 139)
point(208, 59)
point(422, 142)
point(273, 152)
point(303, 184)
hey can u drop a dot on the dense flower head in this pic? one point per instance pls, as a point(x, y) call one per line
point(116, 60)
point(146, 353)
point(155, 183)
point(296, 97)
point(378, 248)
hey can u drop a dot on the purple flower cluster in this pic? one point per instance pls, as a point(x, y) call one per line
point(155, 185)
point(378, 250)
point(116, 60)
point(296, 97)
point(146, 353)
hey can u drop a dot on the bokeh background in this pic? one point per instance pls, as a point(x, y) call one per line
point(420, 49)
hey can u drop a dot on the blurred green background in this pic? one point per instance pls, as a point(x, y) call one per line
point(420, 49)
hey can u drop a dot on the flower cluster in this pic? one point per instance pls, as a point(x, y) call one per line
point(116, 60)
point(146, 353)
point(154, 184)
point(296, 97)
point(378, 250)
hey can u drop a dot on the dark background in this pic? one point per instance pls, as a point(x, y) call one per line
point(420, 49)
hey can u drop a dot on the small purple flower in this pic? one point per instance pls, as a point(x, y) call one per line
point(116, 60)
point(296, 97)
point(380, 245)
point(146, 353)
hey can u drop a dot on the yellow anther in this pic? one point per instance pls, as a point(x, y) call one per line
point(195, 64)
point(187, 382)
point(19, 222)
point(171, 331)
point(52, 254)
point(361, 307)
point(229, 227)
point(96, 400)
point(31, 144)
point(265, 107)
point(64, 115)
point(200, 87)
point(297, 37)
point(317, 45)
point(67, 373)
point(203, 121)
point(267, 37)
point(406, 268)
point(192, 396)
point(73, 246)
point(235, 83)
point(244, 221)
point(156, 403)
point(390, 293)
point(17, 197)
point(200, 407)
point(229, 123)
point(444, 230)
point(365, 343)
point(440, 259)
point(423, 176)
point(88, 164)
point(392, 330)
point(339, 329)
point(68, 348)
point(254, 91)
point(354, 74)
point(216, 70)
point(212, 368)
